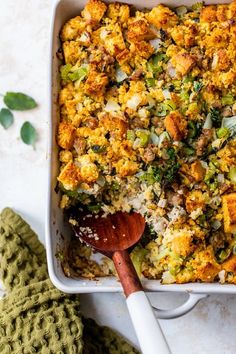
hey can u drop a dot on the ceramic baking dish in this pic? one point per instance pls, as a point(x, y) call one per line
point(57, 231)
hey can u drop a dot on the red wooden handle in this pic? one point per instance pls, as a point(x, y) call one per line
point(127, 273)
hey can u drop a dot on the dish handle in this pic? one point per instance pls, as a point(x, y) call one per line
point(181, 310)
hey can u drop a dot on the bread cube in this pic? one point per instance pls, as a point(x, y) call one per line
point(197, 171)
point(66, 135)
point(162, 17)
point(96, 83)
point(208, 14)
point(144, 49)
point(94, 11)
point(73, 28)
point(229, 211)
point(70, 176)
point(176, 125)
point(139, 30)
point(183, 62)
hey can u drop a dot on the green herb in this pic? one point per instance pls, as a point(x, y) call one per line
point(223, 133)
point(154, 63)
point(215, 117)
point(115, 186)
point(198, 6)
point(94, 208)
point(192, 130)
point(197, 86)
point(223, 254)
point(150, 82)
point(6, 118)
point(227, 100)
point(170, 173)
point(98, 148)
point(64, 71)
point(28, 134)
point(188, 151)
point(19, 101)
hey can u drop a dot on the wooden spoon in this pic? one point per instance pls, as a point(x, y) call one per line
point(113, 236)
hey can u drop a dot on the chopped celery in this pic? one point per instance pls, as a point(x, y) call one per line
point(232, 174)
point(184, 95)
point(223, 254)
point(78, 74)
point(131, 135)
point(227, 100)
point(198, 6)
point(64, 71)
point(181, 10)
point(165, 107)
point(229, 123)
point(137, 257)
point(143, 136)
point(188, 151)
point(150, 82)
point(223, 133)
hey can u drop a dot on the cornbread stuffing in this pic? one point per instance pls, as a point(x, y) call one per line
point(148, 124)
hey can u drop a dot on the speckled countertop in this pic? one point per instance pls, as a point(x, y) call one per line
point(24, 48)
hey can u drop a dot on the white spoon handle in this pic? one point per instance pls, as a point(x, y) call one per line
point(147, 328)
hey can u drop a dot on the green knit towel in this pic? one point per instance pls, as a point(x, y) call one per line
point(35, 316)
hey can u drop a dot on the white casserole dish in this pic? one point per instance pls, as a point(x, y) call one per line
point(57, 232)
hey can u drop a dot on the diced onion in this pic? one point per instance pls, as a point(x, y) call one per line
point(214, 61)
point(230, 123)
point(142, 112)
point(208, 122)
point(163, 136)
point(166, 94)
point(154, 138)
point(134, 101)
point(162, 203)
point(120, 75)
point(216, 224)
point(171, 70)
point(220, 178)
point(156, 43)
point(221, 276)
point(112, 106)
point(181, 10)
point(103, 34)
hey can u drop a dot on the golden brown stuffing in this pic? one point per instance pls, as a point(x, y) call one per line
point(66, 135)
point(176, 125)
point(162, 17)
point(229, 210)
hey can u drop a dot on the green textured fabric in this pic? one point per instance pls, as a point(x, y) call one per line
point(35, 317)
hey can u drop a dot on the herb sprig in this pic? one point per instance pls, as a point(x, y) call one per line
point(18, 101)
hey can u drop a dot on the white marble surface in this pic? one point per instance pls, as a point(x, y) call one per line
point(24, 48)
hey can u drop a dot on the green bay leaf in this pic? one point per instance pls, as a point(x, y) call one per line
point(19, 101)
point(6, 118)
point(28, 134)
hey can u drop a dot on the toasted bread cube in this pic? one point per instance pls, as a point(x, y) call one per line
point(89, 173)
point(206, 267)
point(123, 57)
point(114, 42)
point(118, 12)
point(229, 211)
point(73, 28)
point(221, 13)
point(66, 135)
point(94, 11)
point(194, 200)
point(72, 52)
point(197, 171)
point(70, 176)
point(162, 17)
point(183, 63)
point(144, 49)
point(208, 14)
point(65, 156)
point(232, 10)
point(96, 83)
point(139, 30)
point(176, 125)
point(230, 264)
point(184, 36)
point(126, 167)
